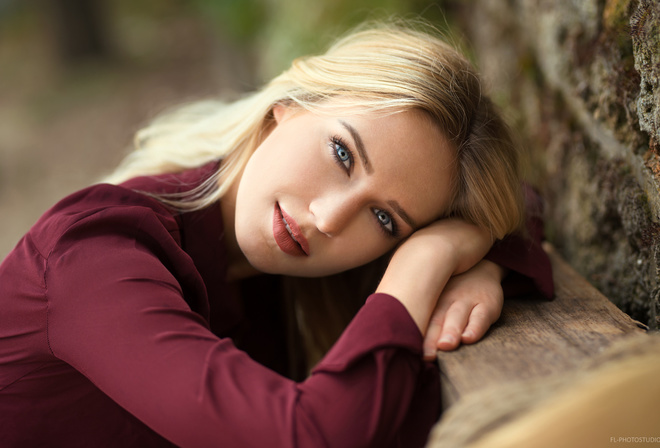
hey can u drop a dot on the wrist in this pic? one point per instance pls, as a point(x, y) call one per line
point(416, 277)
point(495, 271)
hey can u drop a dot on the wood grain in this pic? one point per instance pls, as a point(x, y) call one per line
point(535, 337)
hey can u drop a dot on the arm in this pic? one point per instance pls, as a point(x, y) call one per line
point(116, 288)
point(421, 267)
point(472, 302)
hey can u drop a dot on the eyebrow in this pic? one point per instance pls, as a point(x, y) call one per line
point(402, 213)
point(362, 154)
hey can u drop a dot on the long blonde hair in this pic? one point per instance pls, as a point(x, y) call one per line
point(384, 68)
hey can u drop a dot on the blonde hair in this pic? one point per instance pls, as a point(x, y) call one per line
point(387, 68)
point(384, 69)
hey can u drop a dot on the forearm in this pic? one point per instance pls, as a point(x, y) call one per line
point(421, 267)
point(410, 278)
point(377, 363)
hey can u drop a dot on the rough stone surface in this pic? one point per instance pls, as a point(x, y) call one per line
point(645, 32)
point(580, 82)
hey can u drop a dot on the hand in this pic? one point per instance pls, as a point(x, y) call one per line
point(422, 265)
point(470, 303)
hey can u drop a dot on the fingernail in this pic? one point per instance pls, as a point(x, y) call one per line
point(447, 339)
point(468, 334)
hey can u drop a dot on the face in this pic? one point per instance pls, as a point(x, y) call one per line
point(323, 193)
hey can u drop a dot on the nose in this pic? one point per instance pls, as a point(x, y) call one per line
point(333, 212)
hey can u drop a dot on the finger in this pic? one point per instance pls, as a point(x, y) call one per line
point(431, 339)
point(434, 330)
point(478, 324)
point(453, 326)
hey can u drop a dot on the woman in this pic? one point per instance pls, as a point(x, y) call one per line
point(124, 305)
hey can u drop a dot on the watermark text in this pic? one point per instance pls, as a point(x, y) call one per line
point(635, 439)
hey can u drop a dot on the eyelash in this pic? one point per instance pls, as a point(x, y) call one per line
point(337, 144)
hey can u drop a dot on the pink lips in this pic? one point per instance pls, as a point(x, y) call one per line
point(290, 240)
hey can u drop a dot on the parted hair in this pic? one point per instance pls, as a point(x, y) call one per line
point(383, 68)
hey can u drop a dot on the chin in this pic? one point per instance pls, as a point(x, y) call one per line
point(262, 264)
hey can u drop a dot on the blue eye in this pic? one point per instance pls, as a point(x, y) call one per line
point(342, 154)
point(385, 221)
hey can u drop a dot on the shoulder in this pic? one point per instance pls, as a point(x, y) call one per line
point(172, 183)
point(102, 209)
point(105, 212)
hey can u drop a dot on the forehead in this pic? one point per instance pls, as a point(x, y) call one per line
point(411, 159)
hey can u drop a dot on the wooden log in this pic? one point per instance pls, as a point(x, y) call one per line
point(535, 337)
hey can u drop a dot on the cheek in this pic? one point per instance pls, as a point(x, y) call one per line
point(307, 163)
point(365, 245)
point(295, 167)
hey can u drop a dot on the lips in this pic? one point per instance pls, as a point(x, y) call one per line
point(287, 234)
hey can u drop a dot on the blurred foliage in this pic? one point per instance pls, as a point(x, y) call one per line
point(270, 33)
point(277, 31)
point(239, 20)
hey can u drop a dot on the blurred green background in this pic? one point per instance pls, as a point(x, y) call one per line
point(79, 77)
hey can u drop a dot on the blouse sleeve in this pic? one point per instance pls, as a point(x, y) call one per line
point(524, 256)
point(116, 314)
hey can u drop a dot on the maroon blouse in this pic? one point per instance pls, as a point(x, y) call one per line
point(117, 330)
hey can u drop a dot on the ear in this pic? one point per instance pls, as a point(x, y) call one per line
point(281, 112)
